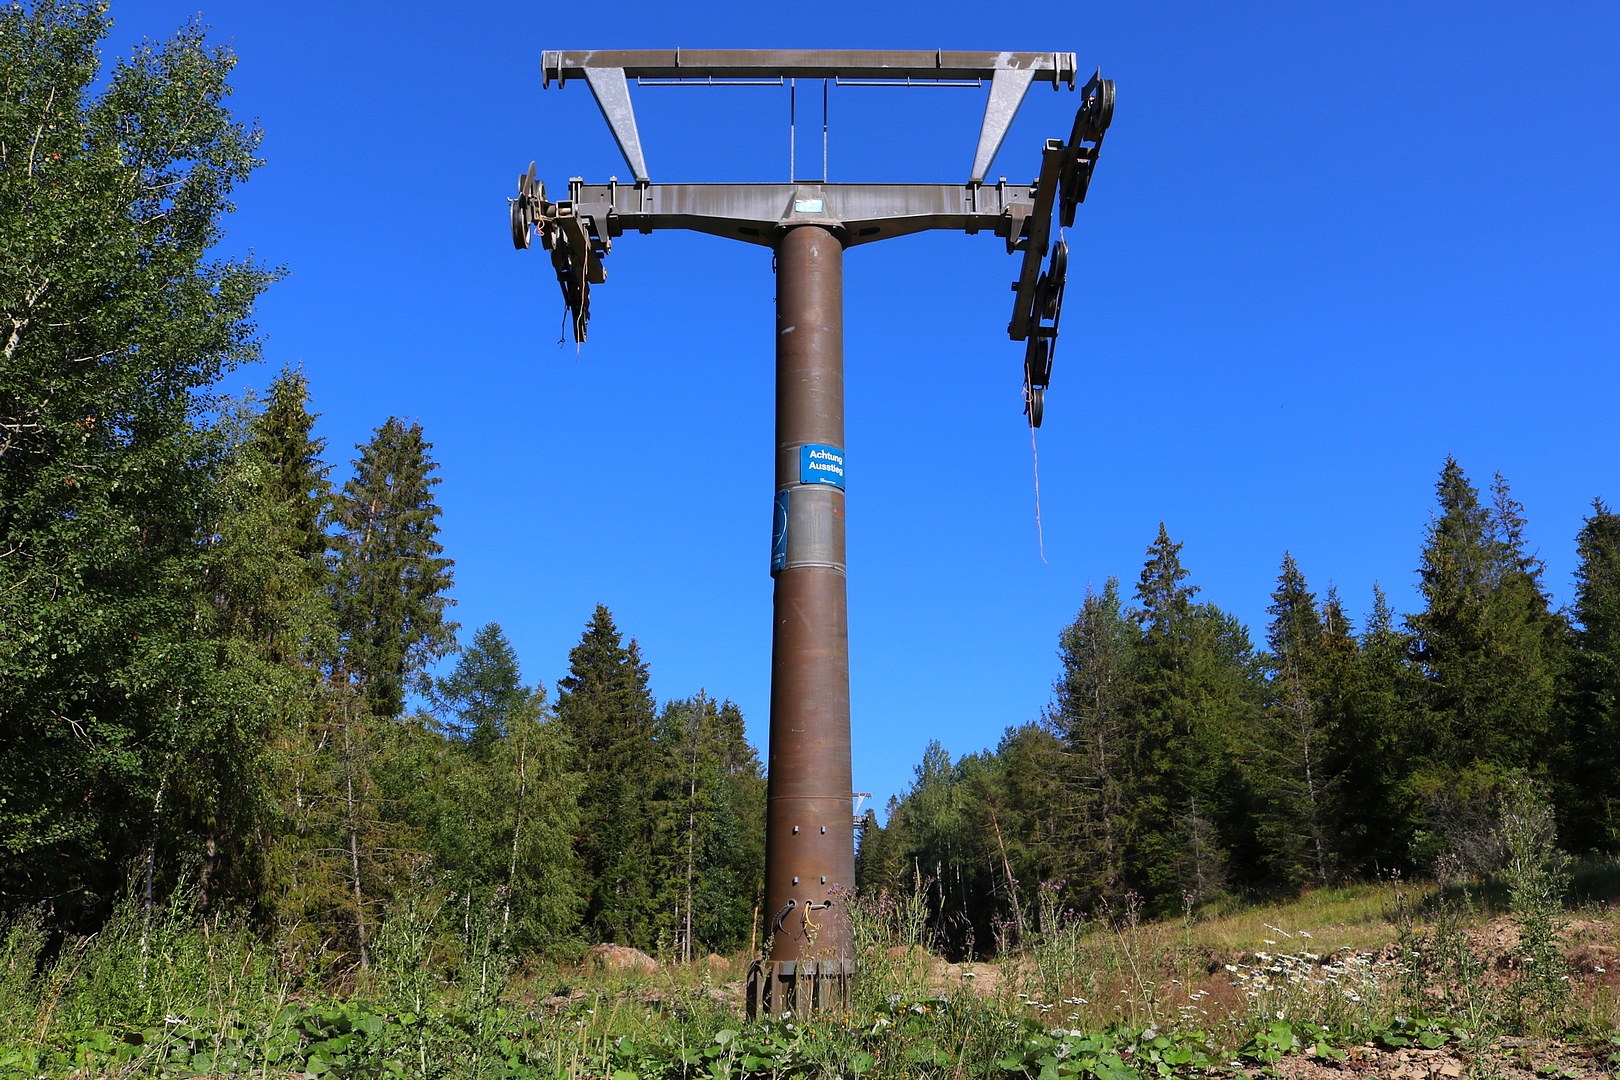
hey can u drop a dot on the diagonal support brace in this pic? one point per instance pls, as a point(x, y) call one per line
point(612, 92)
point(1007, 89)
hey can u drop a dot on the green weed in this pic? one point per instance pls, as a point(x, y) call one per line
point(1109, 997)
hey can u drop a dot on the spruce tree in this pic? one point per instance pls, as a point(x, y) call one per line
point(1038, 828)
point(386, 585)
point(1335, 691)
point(295, 473)
point(1590, 785)
point(880, 860)
point(390, 574)
point(1092, 714)
point(484, 690)
point(292, 489)
point(714, 825)
point(605, 709)
point(979, 840)
point(1163, 723)
point(943, 850)
point(501, 816)
point(1296, 783)
point(330, 856)
point(270, 612)
point(1489, 646)
point(1380, 730)
point(1197, 691)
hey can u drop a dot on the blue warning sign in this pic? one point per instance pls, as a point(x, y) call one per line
point(820, 464)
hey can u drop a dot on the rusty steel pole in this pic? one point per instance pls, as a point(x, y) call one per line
point(810, 841)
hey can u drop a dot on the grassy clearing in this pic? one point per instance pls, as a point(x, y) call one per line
point(1352, 917)
point(1352, 971)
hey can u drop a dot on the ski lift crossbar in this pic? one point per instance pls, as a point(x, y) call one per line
point(889, 64)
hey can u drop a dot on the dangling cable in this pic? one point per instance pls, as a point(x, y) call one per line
point(1034, 452)
point(1040, 537)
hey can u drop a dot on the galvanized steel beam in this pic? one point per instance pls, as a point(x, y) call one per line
point(1007, 89)
point(613, 98)
point(760, 213)
point(720, 64)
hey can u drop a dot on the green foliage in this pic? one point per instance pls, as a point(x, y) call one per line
point(1297, 734)
point(1117, 1054)
point(1487, 643)
point(1428, 1033)
point(496, 798)
point(130, 711)
point(1092, 714)
point(481, 696)
point(295, 478)
point(1371, 691)
point(1271, 1043)
point(444, 999)
point(206, 655)
point(1134, 784)
point(1537, 879)
point(1589, 814)
point(1197, 690)
point(713, 827)
point(1177, 765)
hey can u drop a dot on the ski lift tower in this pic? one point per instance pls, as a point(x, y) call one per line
point(810, 852)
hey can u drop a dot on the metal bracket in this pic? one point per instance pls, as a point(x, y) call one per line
point(1065, 176)
point(577, 243)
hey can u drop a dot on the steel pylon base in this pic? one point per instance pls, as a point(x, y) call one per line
point(781, 988)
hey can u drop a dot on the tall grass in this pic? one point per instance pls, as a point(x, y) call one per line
point(184, 994)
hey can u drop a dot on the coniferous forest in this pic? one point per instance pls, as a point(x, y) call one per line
point(216, 642)
point(1180, 760)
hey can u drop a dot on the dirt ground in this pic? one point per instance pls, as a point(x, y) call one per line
point(1342, 923)
point(1510, 1059)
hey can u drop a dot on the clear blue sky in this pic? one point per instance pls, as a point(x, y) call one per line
point(1325, 247)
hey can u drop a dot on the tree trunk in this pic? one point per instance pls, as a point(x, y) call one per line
point(694, 731)
point(152, 839)
point(517, 831)
point(354, 839)
point(151, 859)
point(1012, 883)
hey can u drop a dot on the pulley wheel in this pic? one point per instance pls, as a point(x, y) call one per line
point(1059, 272)
point(520, 224)
point(1037, 401)
point(1052, 281)
point(1105, 105)
point(1038, 361)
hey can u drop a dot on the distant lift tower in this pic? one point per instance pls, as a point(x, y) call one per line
point(810, 850)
